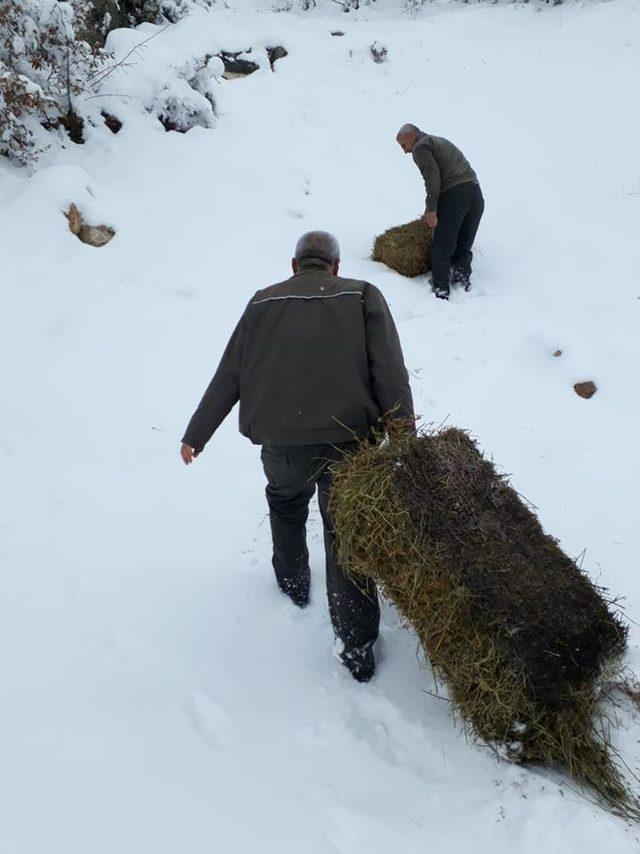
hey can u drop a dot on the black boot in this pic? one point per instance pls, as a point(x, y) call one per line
point(461, 278)
point(440, 292)
point(298, 595)
point(360, 662)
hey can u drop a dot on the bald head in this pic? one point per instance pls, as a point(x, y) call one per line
point(407, 137)
point(317, 248)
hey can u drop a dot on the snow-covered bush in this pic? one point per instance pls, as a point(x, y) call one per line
point(379, 52)
point(142, 11)
point(349, 5)
point(45, 66)
point(20, 102)
point(413, 7)
point(282, 6)
point(130, 13)
point(102, 16)
point(52, 59)
point(174, 10)
point(180, 108)
point(205, 78)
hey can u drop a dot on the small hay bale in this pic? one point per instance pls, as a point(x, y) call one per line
point(520, 635)
point(405, 248)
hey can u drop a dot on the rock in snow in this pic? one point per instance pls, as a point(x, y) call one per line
point(585, 389)
point(92, 235)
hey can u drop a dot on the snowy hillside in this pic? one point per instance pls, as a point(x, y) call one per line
point(158, 693)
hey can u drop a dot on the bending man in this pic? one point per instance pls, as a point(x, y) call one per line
point(315, 362)
point(454, 205)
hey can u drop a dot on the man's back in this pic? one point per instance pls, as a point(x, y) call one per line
point(314, 359)
point(305, 367)
point(454, 167)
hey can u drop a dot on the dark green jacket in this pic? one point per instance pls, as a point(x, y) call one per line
point(315, 359)
point(442, 165)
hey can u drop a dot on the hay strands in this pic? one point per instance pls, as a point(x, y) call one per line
point(405, 248)
point(519, 633)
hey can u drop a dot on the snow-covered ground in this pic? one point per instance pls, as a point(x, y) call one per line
point(157, 693)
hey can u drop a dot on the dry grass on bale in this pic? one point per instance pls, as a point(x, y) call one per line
point(520, 635)
point(405, 248)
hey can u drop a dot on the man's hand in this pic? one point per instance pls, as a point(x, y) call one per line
point(188, 454)
point(431, 218)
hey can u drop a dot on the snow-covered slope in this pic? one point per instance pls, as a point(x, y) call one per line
point(158, 694)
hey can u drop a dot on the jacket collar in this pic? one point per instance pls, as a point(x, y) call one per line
point(311, 267)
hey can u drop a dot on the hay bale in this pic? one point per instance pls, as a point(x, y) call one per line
point(405, 248)
point(513, 626)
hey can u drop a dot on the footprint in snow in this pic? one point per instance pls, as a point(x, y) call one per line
point(409, 314)
point(394, 739)
point(210, 720)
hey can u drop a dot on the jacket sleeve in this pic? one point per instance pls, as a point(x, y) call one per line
point(221, 395)
point(387, 371)
point(426, 163)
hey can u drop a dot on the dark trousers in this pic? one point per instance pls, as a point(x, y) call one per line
point(293, 472)
point(459, 213)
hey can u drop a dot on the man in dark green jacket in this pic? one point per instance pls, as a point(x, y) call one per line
point(454, 205)
point(316, 363)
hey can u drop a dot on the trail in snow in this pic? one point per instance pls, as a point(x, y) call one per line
point(158, 693)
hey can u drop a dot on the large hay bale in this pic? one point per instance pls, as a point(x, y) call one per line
point(405, 248)
point(519, 633)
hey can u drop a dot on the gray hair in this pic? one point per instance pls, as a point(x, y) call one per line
point(408, 130)
point(317, 246)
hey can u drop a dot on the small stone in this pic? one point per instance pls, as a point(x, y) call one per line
point(557, 353)
point(112, 122)
point(585, 389)
point(337, 33)
point(235, 66)
point(276, 53)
